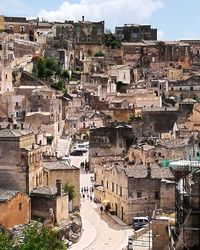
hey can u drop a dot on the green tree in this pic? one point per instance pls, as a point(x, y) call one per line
point(38, 238)
point(70, 189)
point(5, 241)
point(65, 74)
point(112, 41)
point(60, 85)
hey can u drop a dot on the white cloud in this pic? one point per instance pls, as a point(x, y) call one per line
point(114, 12)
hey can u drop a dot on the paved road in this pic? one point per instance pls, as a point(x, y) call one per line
point(109, 235)
point(101, 232)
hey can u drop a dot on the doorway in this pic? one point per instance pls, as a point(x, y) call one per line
point(122, 214)
point(116, 208)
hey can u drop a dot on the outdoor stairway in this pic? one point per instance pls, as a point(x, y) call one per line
point(62, 146)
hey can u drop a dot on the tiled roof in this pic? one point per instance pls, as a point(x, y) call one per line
point(45, 190)
point(58, 165)
point(140, 171)
point(14, 132)
point(6, 195)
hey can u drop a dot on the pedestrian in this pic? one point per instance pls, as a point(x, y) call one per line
point(92, 189)
point(81, 190)
point(90, 198)
point(101, 209)
point(83, 196)
point(84, 189)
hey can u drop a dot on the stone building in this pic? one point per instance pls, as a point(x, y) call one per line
point(126, 187)
point(188, 88)
point(21, 160)
point(81, 31)
point(49, 198)
point(16, 25)
point(68, 174)
point(135, 33)
point(14, 208)
point(171, 149)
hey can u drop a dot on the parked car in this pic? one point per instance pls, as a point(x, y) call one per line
point(76, 153)
point(139, 222)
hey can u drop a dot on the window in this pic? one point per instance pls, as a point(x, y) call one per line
point(139, 194)
point(107, 185)
point(116, 188)
point(20, 206)
point(191, 88)
point(16, 104)
point(113, 187)
point(157, 195)
point(6, 76)
point(120, 191)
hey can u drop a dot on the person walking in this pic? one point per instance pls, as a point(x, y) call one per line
point(101, 209)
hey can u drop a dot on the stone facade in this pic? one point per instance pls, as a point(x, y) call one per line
point(45, 198)
point(136, 33)
point(67, 174)
point(21, 160)
point(14, 208)
point(127, 189)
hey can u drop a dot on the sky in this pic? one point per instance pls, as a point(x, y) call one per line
point(174, 19)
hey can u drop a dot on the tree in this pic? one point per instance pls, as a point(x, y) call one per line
point(112, 41)
point(5, 241)
point(34, 237)
point(65, 74)
point(60, 85)
point(38, 238)
point(70, 189)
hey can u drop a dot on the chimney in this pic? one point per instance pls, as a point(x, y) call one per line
point(83, 18)
point(59, 187)
point(148, 170)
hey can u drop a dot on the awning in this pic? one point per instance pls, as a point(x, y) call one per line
point(106, 201)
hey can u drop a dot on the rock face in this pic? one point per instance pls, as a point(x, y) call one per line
point(71, 230)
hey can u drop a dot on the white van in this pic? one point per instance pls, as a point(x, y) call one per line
point(81, 147)
point(139, 222)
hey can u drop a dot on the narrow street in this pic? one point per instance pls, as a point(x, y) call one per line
point(100, 232)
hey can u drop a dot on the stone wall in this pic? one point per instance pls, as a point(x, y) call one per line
point(160, 234)
point(15, 211)
point(71, 176)
point(167, 195)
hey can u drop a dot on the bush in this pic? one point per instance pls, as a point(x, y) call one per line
point(99, 54)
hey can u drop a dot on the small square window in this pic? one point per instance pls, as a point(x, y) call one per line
point(139, 194)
